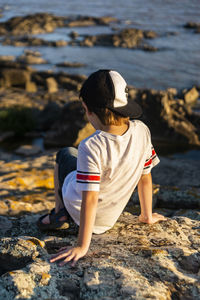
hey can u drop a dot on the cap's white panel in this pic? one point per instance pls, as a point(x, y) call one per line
point(120, 89)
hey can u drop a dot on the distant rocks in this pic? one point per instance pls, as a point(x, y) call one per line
point(17, 32)
point(67, 64)
point(127, 38)
point(31, 58)
point(31, 24)
point(194, 26)
point(22, 41)
point(44, 22)
point(28, 150)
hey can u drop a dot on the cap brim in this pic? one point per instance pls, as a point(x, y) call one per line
point(131, 110)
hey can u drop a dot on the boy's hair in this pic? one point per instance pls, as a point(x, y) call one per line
point(107, 117)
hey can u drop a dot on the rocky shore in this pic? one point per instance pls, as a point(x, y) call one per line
point(18, 31)
point(132, 260)
point(168, 113)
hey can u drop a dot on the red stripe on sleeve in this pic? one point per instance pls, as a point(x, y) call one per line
point(153, 152)
point(148, 163)
point(88, 177)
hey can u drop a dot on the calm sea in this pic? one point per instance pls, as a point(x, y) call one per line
point(177, 64)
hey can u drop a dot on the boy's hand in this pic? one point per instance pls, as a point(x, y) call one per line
point(153, 219)
point(69, 254)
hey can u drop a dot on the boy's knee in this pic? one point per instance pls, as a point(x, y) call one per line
point(64, 152)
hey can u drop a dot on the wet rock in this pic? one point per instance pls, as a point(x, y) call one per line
point(191, 96)
point(193, 25)
point(32, 41)
point(27, 150)
point(126, 38)
point(7, 58)
point(85, 21)
point(43, 22)
point(31, 58)
point(70, 64)
point(31, 24)
point(73, 34)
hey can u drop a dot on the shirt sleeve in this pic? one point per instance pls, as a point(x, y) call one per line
point(151, 157)
point(88, 171)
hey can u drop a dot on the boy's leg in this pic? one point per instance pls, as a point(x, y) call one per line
point(65, 163)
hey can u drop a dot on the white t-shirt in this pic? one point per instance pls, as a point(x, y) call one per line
point(112, 165)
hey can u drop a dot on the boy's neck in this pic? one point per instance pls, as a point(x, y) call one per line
point(116, 130)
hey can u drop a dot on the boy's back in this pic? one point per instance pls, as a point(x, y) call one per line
point(112, 165)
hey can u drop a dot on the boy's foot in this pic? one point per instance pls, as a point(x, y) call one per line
point(54, 220)
point(46, 219)
point(153, 219)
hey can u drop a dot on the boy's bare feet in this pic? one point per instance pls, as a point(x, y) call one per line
point(153, 219)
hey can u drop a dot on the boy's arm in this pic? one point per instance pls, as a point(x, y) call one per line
point(145, 196)
point(87, 219)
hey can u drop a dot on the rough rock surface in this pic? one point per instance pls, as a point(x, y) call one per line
point(44, 22)
point(19, 41)
point(169, 118)
point(126, 38)
point(131, 261)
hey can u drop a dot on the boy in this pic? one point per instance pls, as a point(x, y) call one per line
point(110, 164)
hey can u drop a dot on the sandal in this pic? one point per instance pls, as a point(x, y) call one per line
point(54, 218)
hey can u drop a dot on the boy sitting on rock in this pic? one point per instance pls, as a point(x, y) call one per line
point(94, 186)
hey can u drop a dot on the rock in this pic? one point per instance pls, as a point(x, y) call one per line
point(52, 85)
point(178, 198)
point(43, 22)
point(126, 38)
point(193, 25)
point(70, 64)
point(132, 260)
point(7, 58)
point(27, 150)
point(70, 128)
point(31, 58)
point(191, 96)
point(31, 24)
point(6, 135)
point(179, 173)
point(14, 78)
point(83, 133)
point(31, 87)
point(84, 21)
point(73, 34)
point(168, 119)
point(68, 83)
point(32, 41)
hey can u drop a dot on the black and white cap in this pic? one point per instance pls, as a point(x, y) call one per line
point(108, 89)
